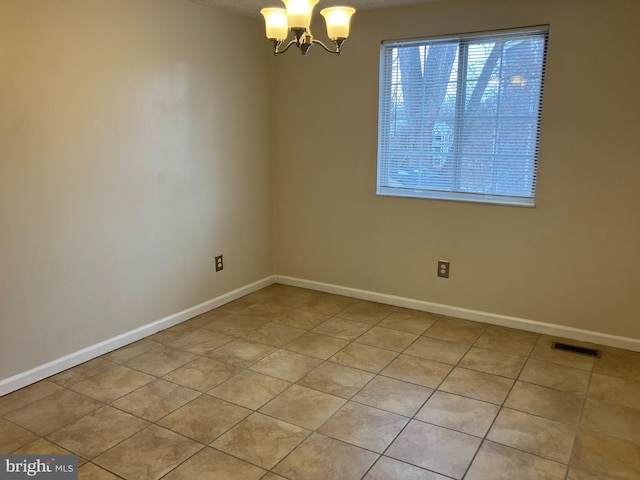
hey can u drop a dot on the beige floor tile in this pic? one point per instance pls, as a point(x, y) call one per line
point(507, 340)
point(203, 321)
point(478, 385)
point(205, 418)
point(513, 331)
point(418, 313)
point(241, 352)
point(274, 334)
point(23, 397)
point(303, 406)
point(236, 324)
point(13, 437)
point(112, 384)
point(438, 350)
point(279, 295)
point(619, 363)
point(287, 298)
point(250, 389)
point(268, 309)
point(615, 390)
point(364, 426)
point(261, 440)
point(206, 318)
point(97, 432)
point(393, 395)
point(605, 456)
point(366, 312)
point(299, 294)
point(491, 361)
point(129, 351)
point(168, 334)
point(456, 330)
point(232, 308)
point(406, 322)
point(543, 351)
point(389, 469)
point(273, 476)
point(202, 374)
point(463, 414)
point(614, 420)
point(155, 400)
point(266, 293)
point(303, 319)
point(536, 435)
point(81, 372)
point(148, 455)
point(316, 345)
point(417, 370)
point(364, 357)
point(435, 448)
point(327, 303)
point(290, 299)
point(54, 411)
point(212, 464)
point(336, 379)
point(342, 328)
point(387, 338)
point(89, 471)
point(160, 361)
point(546, 402)
point(323, 458)
point(555, 376)
point(285, 295)
point(575, 474)
point(200, 341)
point(40, 447)
point(497, 462)
point(286, 365)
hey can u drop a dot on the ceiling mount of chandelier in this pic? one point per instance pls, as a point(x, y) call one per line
point(296, 17)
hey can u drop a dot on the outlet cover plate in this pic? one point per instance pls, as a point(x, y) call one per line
point(443, 268)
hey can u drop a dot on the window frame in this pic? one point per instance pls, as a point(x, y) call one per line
point(383, 139)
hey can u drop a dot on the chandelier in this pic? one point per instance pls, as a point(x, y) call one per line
point(297, 18)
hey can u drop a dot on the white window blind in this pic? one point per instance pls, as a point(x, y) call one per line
point(459, 118)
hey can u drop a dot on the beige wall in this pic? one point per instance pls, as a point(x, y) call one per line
point(574, 260)
point(133, 148)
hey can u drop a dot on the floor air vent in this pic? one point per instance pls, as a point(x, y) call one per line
point(575, 349)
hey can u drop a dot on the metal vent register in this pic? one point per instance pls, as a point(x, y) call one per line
point(590, 352)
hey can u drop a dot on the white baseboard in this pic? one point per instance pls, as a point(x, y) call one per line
point(485, 317)
point(23, 379)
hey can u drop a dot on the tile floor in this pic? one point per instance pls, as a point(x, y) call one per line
point(288, 383)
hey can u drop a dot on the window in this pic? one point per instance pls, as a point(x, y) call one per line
point(460, 117)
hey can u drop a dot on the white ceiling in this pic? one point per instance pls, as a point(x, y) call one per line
point(252, 7)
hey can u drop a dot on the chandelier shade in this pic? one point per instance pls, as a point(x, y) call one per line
point(338, 20)
point(276, 23)
point(299, 12)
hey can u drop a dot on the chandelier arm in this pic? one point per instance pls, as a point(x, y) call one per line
point(278, 52)
point(277, 44)
point(337, 51)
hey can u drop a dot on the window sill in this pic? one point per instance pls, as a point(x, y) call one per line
point(457, 197)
